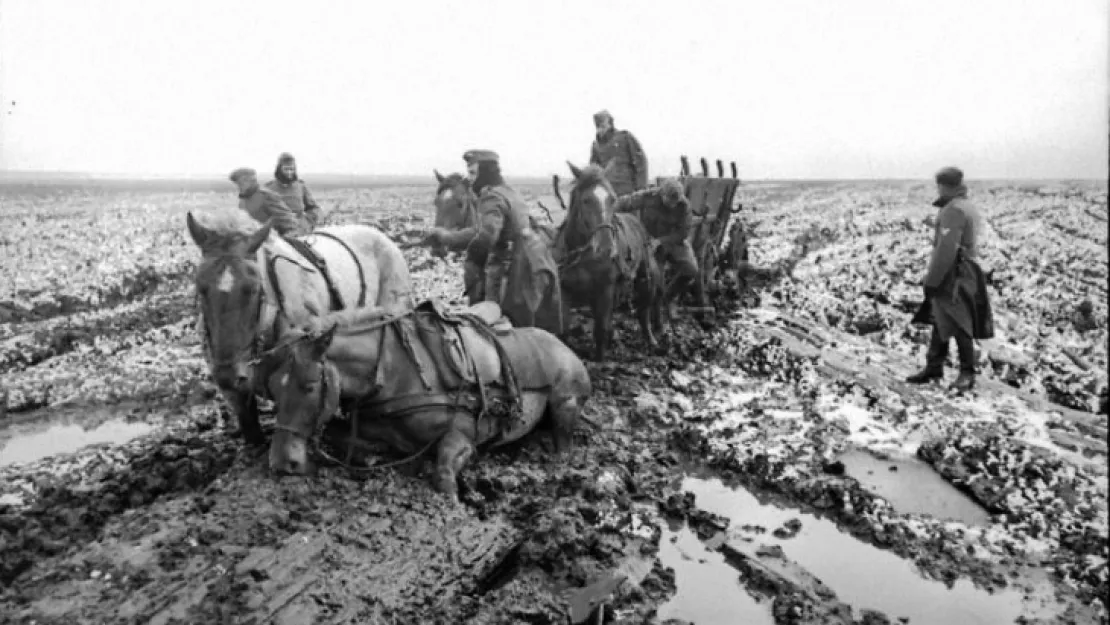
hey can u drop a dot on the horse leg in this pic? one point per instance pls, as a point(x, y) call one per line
point(603, 321)
point(564, 417)
point(455, 450)
point(644, 303)
point(245, 406)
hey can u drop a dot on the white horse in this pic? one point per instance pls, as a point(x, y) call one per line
point(253, 286)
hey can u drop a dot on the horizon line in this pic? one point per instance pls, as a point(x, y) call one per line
point(212, 177)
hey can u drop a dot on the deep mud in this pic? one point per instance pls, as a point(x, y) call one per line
point(733, 479)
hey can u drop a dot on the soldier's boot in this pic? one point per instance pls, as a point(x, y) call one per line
point(966, 380)
point(934, 361)
point(964, 383)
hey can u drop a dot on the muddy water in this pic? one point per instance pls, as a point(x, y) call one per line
point(34, 441)
point(709, 590)
point(913, 487)
point(861, 575)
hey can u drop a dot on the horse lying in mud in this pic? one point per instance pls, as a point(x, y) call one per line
point(252, 285)
point(600, 251)
point(427, 377)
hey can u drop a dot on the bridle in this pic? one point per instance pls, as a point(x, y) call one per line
point(575, 255)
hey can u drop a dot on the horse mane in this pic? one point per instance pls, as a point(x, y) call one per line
point(450, 182)
point(227, 227)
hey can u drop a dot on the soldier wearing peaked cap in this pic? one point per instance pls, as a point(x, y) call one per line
point(955, 285)
point(266, 206)
point(620, 153)
point(506, 260)
point(293, 191)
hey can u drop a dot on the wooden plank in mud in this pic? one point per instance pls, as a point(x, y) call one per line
point(767, 570)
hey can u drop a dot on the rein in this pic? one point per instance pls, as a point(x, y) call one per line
point(321, 419)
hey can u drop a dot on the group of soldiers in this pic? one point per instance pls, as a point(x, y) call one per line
point(504, 223)
point(956, 304)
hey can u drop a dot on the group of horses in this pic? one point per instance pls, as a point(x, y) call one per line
point(414, 375)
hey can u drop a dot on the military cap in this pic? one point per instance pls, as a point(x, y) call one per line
point(477, 156)
point(602, 114)
point(240, 173)
point(671, 191)
point(286, 158)
point(950, 177)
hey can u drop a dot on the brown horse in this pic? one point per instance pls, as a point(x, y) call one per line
point(252, 285)
point(427, 378)
point(456, 209)
point(600, 252)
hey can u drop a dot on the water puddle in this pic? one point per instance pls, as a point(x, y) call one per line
point(35, 441)
point(913, 487)
point(709, 590)
point(861, 575)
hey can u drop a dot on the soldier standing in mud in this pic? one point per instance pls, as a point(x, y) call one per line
point(620, 154)
point(955, 285)
point(265, 205)
point(665, 213)
point(505, 242)
point(293, 191)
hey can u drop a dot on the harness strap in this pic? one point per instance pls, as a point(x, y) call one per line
point(361, 273)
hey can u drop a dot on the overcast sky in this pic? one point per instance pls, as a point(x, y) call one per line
point(787, 88)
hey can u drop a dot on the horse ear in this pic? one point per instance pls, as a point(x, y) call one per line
point(439, 176)
point(574, 170)
point(258, 238)
point(198, 232)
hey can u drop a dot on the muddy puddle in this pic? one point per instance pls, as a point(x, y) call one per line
point(34, 439)
point(709, 589)
point(861, 575)
point(913, 487)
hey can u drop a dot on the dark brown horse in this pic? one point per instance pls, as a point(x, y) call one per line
point(425, 378)
point(601, 252)
point(456, 210)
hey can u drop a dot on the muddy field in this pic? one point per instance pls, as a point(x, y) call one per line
point(770, 468)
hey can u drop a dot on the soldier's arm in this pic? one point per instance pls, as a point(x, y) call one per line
point(490, 221)
point(457, 238)
point(281, 216)
point(629, 203)
point(311, 208)
point(595, 156)
point(952, 222)
point(638, 158)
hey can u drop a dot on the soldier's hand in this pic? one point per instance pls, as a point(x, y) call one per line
point(433, 237)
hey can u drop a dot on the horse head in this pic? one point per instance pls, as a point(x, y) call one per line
point(591, 209)
point(230, 291)
point(455, 202)
point(307, 389)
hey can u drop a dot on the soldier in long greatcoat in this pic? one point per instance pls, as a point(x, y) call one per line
point(620, 154)
point(666, 214)
point(506, 260)
point(293, 191)
point(955, 285)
